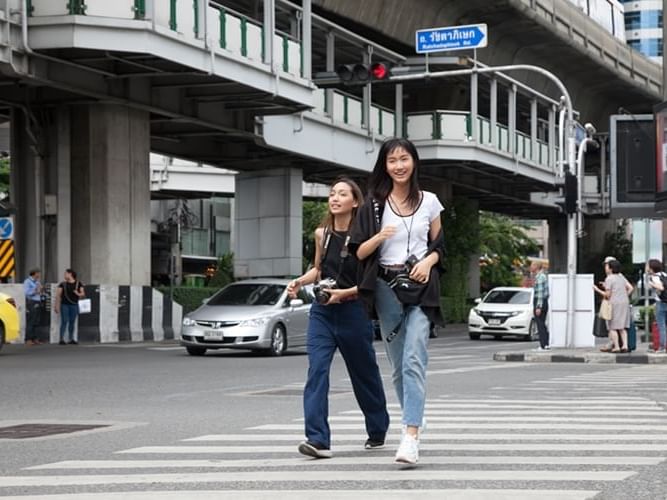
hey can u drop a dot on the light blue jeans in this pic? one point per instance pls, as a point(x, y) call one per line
point(661, 319)
point(407, 350)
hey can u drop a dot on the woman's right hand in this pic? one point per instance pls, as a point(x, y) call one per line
point(293, 288)
point(386, 232)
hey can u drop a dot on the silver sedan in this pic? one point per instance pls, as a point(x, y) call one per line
point(252, 314)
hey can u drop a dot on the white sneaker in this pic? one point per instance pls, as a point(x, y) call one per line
point(547, 348)
point(408, 451)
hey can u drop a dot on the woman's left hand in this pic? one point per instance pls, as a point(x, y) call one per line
point(421, 271)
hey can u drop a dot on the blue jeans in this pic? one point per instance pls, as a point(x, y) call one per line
point(345, 327)
point(661, 319)
point(68, 315)
point(407, 350)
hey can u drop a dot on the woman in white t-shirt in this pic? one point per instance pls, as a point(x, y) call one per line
point(398, 232)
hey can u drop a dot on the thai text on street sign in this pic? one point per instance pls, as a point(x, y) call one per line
point(472, 36)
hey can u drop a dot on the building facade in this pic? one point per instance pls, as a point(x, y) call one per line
point(643, 27)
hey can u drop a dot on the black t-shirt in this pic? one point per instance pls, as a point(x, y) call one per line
point(68, 295)
point(342, 269)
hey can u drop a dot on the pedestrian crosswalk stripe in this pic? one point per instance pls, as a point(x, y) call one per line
point(432, 436)
point(384, 494)
point(467, 425)
point(545, 401)
point(522, 418)
point(560, 411)
point(207, 450)
point(315, 476)
point(369, 458)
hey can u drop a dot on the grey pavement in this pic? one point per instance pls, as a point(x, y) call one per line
point(227, 425)
point(530, 354)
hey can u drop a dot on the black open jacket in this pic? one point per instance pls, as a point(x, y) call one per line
point(366, 225)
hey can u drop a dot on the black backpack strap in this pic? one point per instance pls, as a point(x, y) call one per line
point(377, 214)
point(326, 237)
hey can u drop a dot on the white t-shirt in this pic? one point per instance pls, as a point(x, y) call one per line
point(411, 236)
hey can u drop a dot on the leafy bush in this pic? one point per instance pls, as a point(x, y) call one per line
point(190, 298)
point(224, 273)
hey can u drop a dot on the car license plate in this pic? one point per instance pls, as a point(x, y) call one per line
point(213, 335)
point(494, 322)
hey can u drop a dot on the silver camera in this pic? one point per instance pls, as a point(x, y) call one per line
point(321, 290)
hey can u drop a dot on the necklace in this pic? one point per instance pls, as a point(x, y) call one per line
point(393, 203)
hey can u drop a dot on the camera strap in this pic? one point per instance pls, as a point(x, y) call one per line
point(344, 252)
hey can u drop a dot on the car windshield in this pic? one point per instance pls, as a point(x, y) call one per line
point(507, 297)
point(248, 294)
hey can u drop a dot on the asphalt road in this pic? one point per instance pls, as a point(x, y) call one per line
point(227, 425)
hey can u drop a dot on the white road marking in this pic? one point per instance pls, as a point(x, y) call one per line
point(522, 418)
point(364, 459)
point(387, 494)
point(465, 425)
point(657, 412)
point(207, 450)
point(432, 436)
point(315, 476)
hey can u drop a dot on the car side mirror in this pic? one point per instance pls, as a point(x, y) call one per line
point(205, 301)
point(295, 303)
point(478, 300)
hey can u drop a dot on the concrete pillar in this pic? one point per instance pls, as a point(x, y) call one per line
point(268, 223)
point(110, 198)
point(26, 193)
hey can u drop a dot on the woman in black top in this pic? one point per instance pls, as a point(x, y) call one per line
point(67, 305)
point(338, 321)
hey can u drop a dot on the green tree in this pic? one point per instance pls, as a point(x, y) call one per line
point(459, 223)
point(616, 244)
point(313, 215)
point(224, 273)
point(4, 175)
point(504, 245)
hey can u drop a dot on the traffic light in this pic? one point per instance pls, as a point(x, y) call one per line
point(570, 193)
point(363, 73)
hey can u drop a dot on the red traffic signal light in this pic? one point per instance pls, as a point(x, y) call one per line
point(379, 71)
point(362, 73)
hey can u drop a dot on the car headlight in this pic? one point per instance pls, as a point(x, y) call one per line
point(189, 321)
point(475, 311)
point(516, 313)
point(254, 322)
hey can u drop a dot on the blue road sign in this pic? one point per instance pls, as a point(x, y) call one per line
point(472, 36)
point(6, 228)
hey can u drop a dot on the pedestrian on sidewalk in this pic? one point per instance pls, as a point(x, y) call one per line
point(657, 280)
point(398, 238)
point(32, 289)
point(69, 291)
point(338, 321)
point(616, 290)
point(540, 303)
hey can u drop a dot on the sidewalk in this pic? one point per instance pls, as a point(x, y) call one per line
point(589, 355)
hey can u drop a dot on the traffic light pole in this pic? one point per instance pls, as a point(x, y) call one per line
point(571, 162)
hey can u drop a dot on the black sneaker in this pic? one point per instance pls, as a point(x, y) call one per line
point(73, 342)
point(62, 342)
point(374, 444)
point(314, 450)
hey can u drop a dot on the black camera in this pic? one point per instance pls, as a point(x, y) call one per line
point(410, 263)
point(321, 290)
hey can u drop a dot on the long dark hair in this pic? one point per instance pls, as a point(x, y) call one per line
point(380, 183)
point(356, 194)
